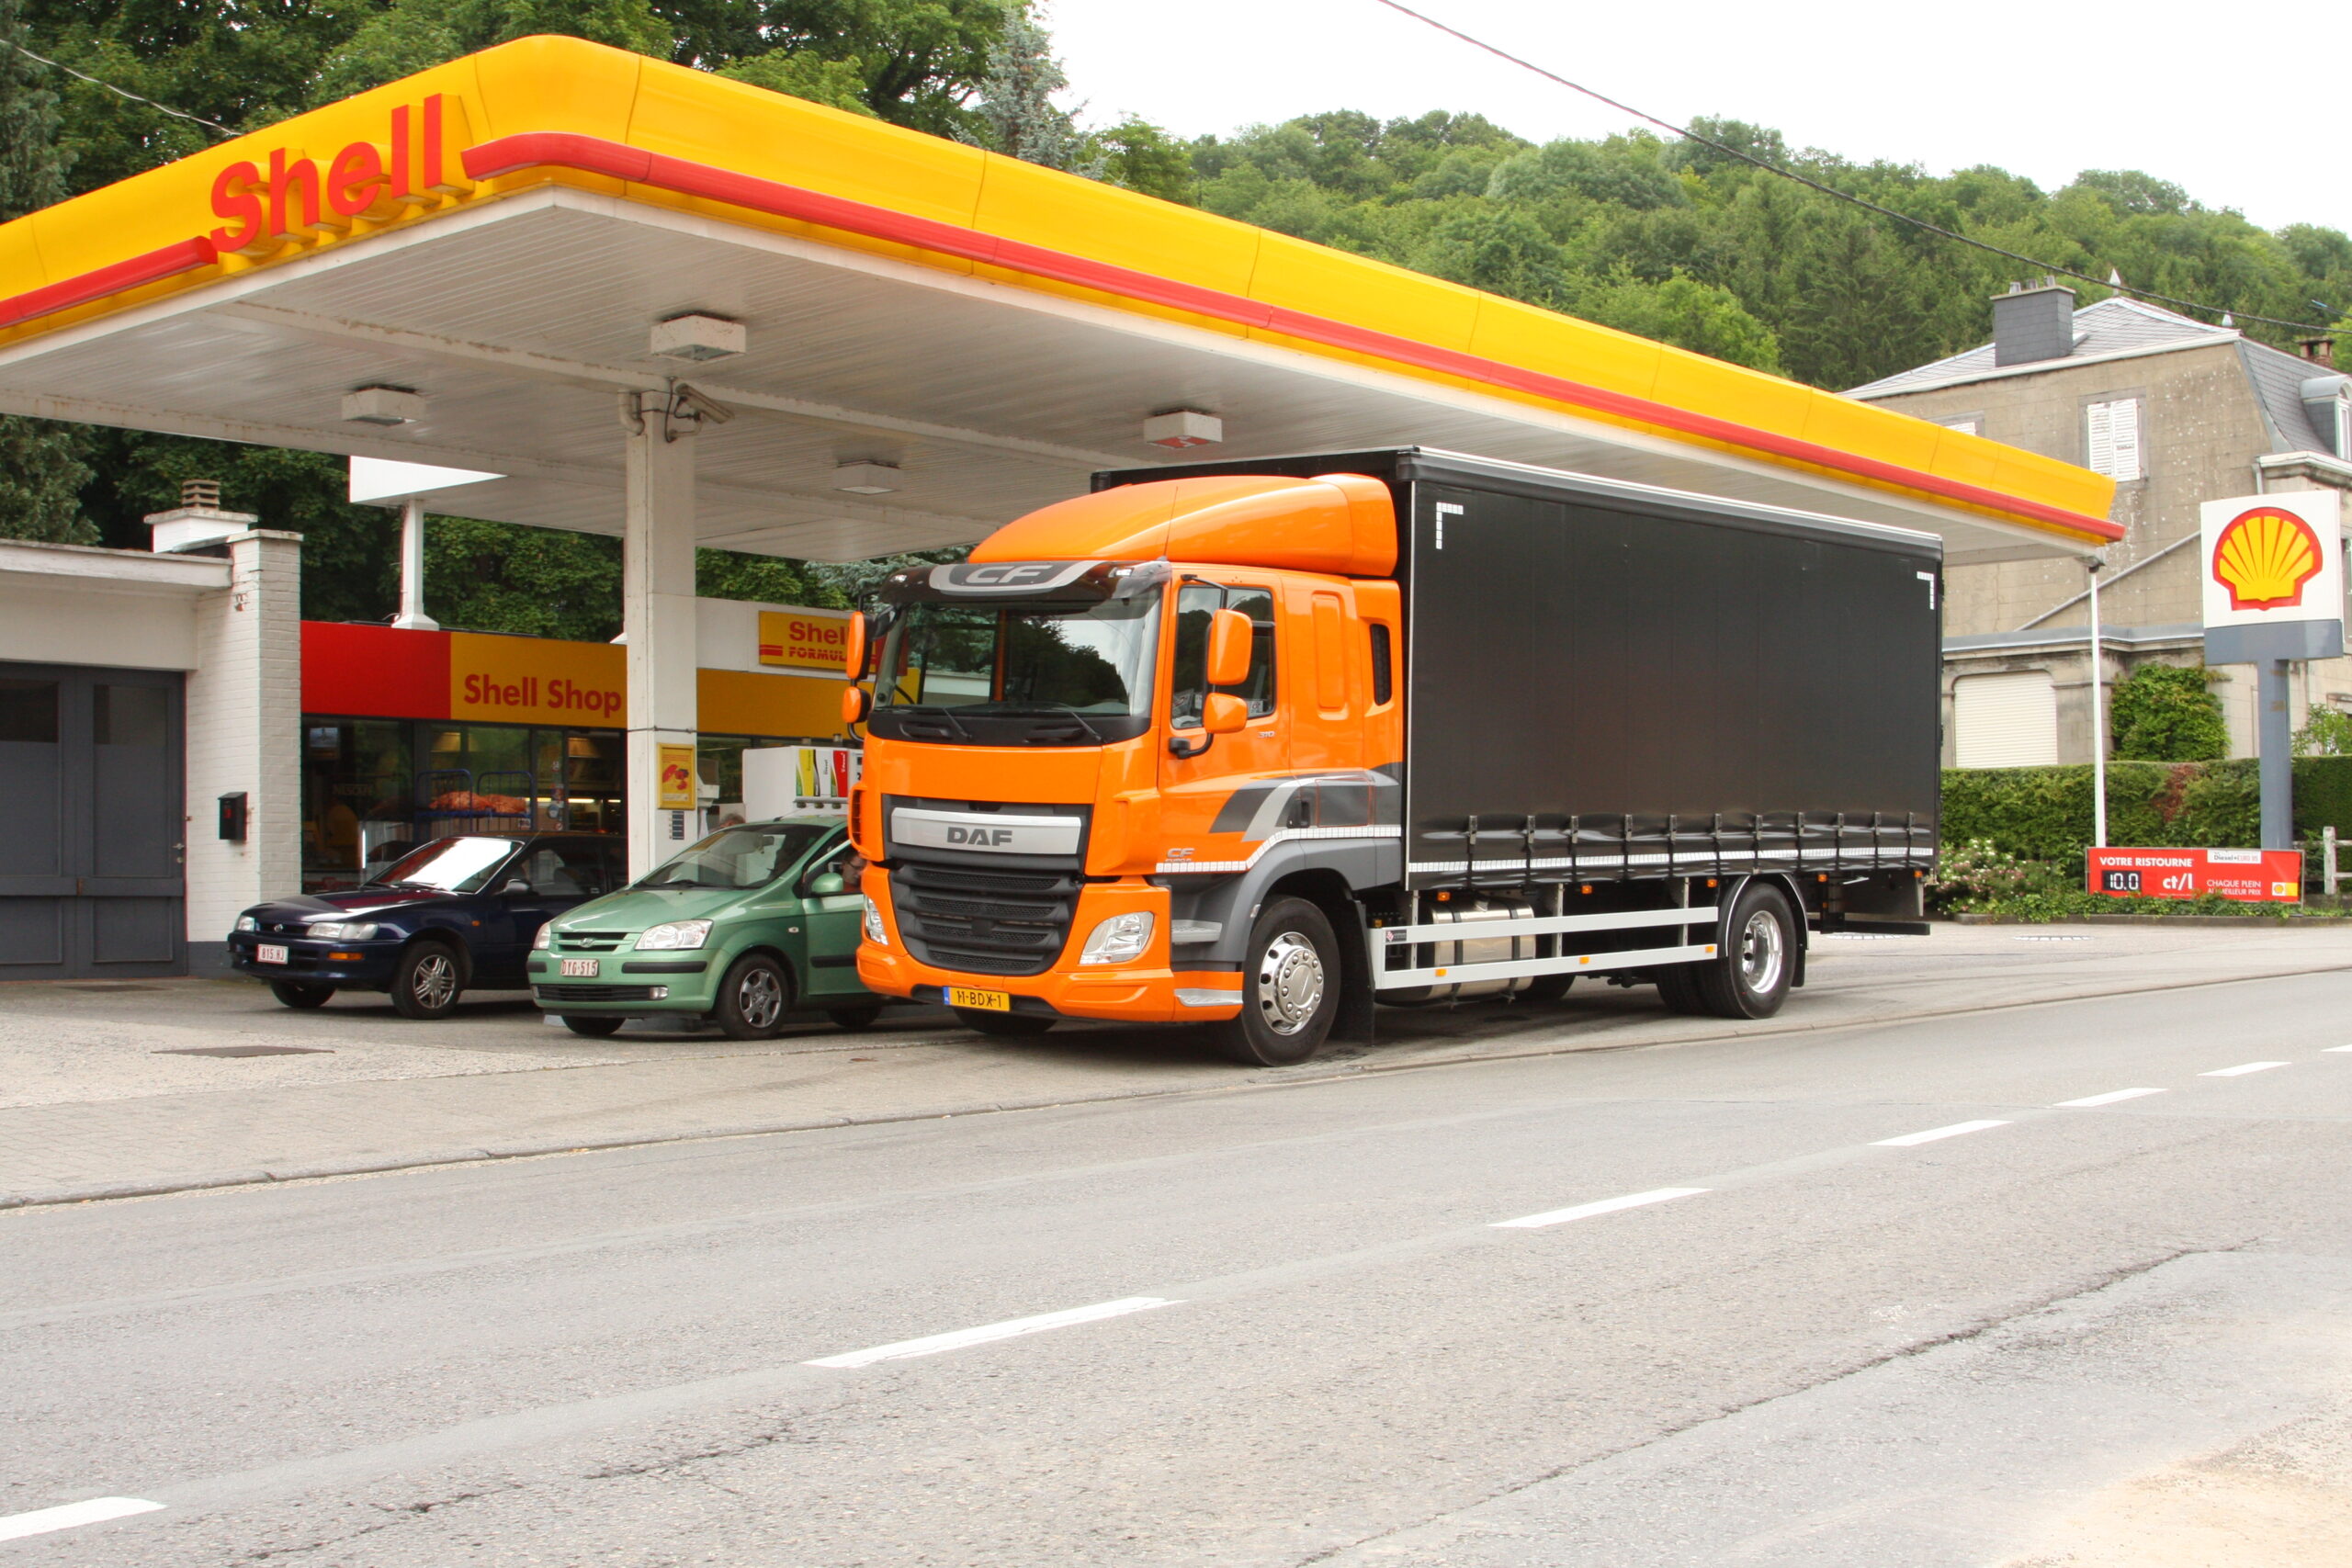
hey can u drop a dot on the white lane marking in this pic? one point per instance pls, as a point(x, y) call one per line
point(1932, 1134)
point(2240, 1069)
point(1606, 1206)
point(1008, 1329)
point(2109, 1098)
point(96, 1511)
point(2337, 1047)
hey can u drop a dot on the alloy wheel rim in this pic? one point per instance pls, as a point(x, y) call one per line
point(1290, 983)
point(760, 999)
point(1760, 953)
point(436, 981)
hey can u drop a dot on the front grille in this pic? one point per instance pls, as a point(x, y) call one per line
point(592, 993)
point(984, 921)
point(589, 942)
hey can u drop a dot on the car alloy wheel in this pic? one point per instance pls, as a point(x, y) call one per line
point(759, 997)
point(433, 981)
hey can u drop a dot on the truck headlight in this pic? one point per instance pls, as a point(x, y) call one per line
point(1119, 939)
point(340, 931)
point(247, 923)
point(673, 935)
point(875, 931)
point(545, 939)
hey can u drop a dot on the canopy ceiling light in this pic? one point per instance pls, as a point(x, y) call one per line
point(867, 479)
point(382, 405)
point(699, 337)
point(1180, 428)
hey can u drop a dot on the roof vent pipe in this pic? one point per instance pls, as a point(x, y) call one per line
point(2033, 324)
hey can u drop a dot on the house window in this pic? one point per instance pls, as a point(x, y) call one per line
point(2008, 720)
point(2112, 439)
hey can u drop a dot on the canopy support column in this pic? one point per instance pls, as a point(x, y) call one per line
point(658, 620)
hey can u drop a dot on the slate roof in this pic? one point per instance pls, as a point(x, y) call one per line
point(2112, 326)
point(2278, 378)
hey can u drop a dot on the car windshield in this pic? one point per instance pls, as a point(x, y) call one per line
point(1082, 662)
point(449, 865)
point(738, 857)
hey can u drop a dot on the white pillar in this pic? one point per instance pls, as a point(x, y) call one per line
point(657, 619)
point(412, 617)
point(244, 736)
point(2098, 715)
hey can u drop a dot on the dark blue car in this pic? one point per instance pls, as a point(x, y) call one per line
point(451, 913)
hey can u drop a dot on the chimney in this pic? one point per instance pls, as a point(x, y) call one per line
point(2319, 351)
point(198, 521)
point(2033, 324)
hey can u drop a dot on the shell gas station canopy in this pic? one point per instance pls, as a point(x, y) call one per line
point(485, 267)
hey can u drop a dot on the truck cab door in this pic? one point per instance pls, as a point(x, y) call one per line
point(1202, 792)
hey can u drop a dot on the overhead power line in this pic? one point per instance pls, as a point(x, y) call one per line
point(1829, 190)
point(119, 92)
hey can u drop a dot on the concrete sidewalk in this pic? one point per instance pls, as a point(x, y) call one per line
point(97, 1100)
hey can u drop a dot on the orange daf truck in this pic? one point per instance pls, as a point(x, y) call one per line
point(1256, 746)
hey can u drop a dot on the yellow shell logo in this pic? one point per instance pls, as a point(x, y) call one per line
point(2263, 557)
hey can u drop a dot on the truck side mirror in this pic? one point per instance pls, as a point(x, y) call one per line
point(857, 703)
point(853, 650)
point(1223, 713)
point(1229, 635)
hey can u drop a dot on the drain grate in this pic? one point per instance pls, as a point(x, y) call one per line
point(246, 1051)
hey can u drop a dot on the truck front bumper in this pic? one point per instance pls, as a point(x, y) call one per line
point(1148, 990)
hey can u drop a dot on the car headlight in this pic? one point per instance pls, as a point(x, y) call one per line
point(247, 923)
point(340, 931)
point(875, 933)
point(673, 935)
point(545, 939)
point(1119, 939)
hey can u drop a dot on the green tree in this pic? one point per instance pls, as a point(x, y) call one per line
point(767, 580)
point(41, 471)
point(1016, 111)
point(2164, 712)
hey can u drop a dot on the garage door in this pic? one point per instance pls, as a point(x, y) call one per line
point(2008, 720)
point(90, 856)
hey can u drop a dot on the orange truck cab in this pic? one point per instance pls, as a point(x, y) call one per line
point(1253, 747)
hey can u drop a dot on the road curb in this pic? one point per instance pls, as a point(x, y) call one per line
point(1328, 1072)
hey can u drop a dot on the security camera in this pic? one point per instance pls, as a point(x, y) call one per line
point(693, 403)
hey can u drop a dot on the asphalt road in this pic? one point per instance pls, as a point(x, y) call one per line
point(1309, 1334)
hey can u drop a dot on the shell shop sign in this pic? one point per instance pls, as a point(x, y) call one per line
point(804, 639)
point(520, 679)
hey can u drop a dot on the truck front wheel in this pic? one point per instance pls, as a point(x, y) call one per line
point(1290, 987)
point(1749, 977)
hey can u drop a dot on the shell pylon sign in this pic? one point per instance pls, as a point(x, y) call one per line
point(2274, 577)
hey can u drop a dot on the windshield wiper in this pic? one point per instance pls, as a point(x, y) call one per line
point(1080, 718)
point(942, 709)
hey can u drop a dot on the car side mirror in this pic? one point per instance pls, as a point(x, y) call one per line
point(1229, 635)
point(826, 884)
point(516, 888)
point(1224, 713)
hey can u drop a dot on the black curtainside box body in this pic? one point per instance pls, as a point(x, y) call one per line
point(1606, 679)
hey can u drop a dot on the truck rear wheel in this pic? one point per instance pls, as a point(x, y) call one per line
point(1750, 977)
point(1290, 987)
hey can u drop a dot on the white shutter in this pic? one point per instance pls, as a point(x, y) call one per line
point(2113, 438)
point(2005, 721)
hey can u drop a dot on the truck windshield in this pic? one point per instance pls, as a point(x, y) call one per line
point(1042, 674)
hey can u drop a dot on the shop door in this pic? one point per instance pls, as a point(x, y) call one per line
point(91, 881)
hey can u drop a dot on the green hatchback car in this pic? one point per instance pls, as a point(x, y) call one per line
point(746, 926)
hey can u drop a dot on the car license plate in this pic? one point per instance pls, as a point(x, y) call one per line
point(988, 1002)
point(585, 967)
point(266, 954)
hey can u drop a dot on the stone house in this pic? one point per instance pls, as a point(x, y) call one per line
point(2177, 412)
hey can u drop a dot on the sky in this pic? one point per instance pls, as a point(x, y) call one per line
point(2225, 116)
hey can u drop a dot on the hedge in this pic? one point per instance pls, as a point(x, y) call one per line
point(2045, 813)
